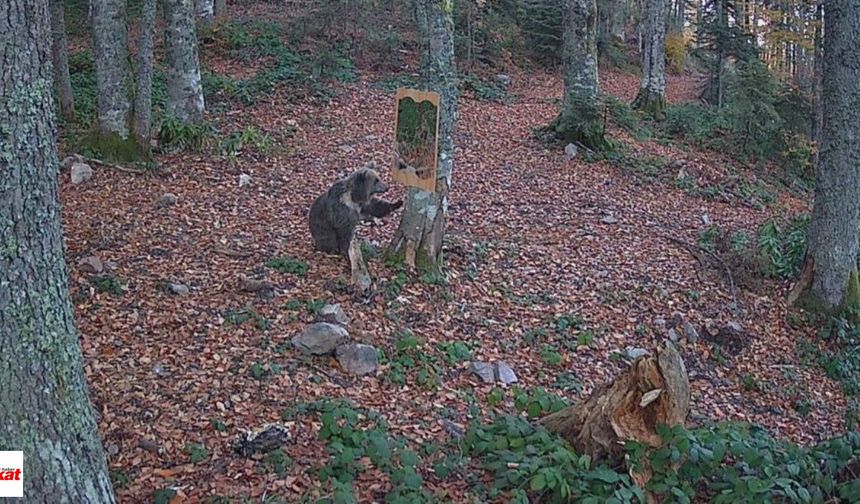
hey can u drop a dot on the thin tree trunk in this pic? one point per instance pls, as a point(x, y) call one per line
point(831, 284)
point(220, 8)
point(142, 123)
point(205, 10)
point(422, 227)
point(652, 91)
point(110, 51)
point(44, 405)
point(60, 56)
point(184, 86)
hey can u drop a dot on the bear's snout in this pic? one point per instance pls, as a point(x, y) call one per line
point(381, 187)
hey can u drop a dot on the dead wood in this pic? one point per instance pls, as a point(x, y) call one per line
point(654, 391)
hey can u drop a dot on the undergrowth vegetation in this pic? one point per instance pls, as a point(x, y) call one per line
point(731, 462)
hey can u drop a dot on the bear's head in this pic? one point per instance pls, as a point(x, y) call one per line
point(364, 183)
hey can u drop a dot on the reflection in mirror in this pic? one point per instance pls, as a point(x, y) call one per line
point(415, 145)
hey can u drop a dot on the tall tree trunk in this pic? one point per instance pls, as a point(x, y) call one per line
point(60, 57)
point(110, 51)
point(220, 8)
point(142, 123)
point(829, 280)
point(579, 120)
point(422, 227)
point(818, 64)
point(652, 92)
point(44, 405)
point(205, 10)
point(184, 87)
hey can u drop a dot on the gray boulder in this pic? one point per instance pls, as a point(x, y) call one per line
point(505, 374)
point(320, 338)
point(334, 314)
point(357, 359)
point(81, 172)
point(484, 370)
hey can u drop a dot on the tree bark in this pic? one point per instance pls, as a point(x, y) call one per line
point(184, 86)
point(579, 53)
point(205, 10)
point(654, 391)
point(422, 226)
point(579, 120)
point(833, 231)
point(818, 68)
point(142, 123)
point(60, 57)
point(110, 50)
point(220, 8)
point(44, 405)
point(652, 91)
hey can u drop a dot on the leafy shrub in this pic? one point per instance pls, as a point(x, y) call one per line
point(695, 123)
point(536, 402)
point(484, 90)
point(676, 53)
point(540, 22)
point(107, 284)
point(250, 137)
point(750, 113)
point(177, 135)
point(725, 463)
point(287, 264)
point(784, 246)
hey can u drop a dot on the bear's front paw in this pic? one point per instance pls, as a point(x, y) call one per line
point(397, 204)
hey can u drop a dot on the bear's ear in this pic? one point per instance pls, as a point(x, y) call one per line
point(362, 185)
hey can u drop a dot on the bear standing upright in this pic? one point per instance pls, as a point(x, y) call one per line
point(335, 214)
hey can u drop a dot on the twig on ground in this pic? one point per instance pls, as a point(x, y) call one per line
point(692, 248)
point(136, 171)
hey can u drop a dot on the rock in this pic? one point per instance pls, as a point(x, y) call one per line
point(158, 370)
point(706, 219)
point(504, 79)
point(660, 325)
point(68, 161)
point(609, 220)
point(456, 431)
point(570, 151)
point(677, 164)
point(262, 288)
point(484, 370)
point(91, 264)
point(673, 335)
point(320, 338)
point(149, 445)
point(333, 314)
point(167, 199)
point(244, 179)
point(634, 353)
point(346, 148)
point(263, 440)
point(81, 172)
point(505, 374)
point(178, 288)
point(357, 359)
point(735, 327)
point(690, 332)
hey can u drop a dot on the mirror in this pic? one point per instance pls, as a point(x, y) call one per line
point(416, 138)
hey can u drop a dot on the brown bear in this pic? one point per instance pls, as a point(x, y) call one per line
point(335, 214)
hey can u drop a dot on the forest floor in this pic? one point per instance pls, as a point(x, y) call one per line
point(532, 239)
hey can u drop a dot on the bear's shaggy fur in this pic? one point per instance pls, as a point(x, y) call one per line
point(335, 214)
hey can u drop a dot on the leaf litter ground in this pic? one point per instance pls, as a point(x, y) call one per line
point(529, 244)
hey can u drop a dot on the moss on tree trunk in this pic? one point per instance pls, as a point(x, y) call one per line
point(44, 405)
point(829, 282)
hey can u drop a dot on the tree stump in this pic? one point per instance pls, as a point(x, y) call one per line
point(654, 391)
point(361, 280)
